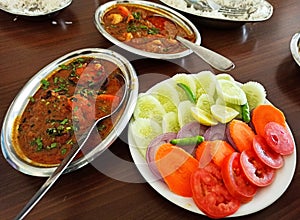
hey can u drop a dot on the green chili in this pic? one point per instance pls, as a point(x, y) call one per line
point(191, 96)
point(246, 113)
point(188, 141)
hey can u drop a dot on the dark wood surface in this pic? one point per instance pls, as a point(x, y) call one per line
point(259, 50)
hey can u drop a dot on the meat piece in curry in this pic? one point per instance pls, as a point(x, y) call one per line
point(65, 105)
point(145, 30)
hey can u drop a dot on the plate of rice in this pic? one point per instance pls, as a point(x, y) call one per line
point(257, 10)
point(33, 7)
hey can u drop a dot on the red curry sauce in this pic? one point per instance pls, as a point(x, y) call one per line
point(145, 30)
point(65, 105)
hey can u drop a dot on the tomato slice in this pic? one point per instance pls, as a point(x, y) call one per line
point(266, 154)
point(210, 194)
point(235, 179)
point(255, 170)
point(158, 22)
point(279, 138)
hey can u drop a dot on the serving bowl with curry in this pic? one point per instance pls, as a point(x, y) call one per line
point(58, 105)
point(145, 28)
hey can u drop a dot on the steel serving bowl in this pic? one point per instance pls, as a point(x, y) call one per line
point(157, 8)
point(19, 104)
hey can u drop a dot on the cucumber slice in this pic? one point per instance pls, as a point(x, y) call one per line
point(225, 76)
point(205, 102)
point(187, 80)
point(170, 123)
point(184, 113)
point(168, 89)
point(231, 92)
point(143, 131)
point(255, 93)
point(223, 113)
point(166, 102)
point(148, 107)
point(205, 82)
point(238, 108)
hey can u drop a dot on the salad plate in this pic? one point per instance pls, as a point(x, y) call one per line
point(263, 198)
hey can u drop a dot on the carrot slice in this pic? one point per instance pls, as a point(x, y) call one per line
point(176, 167)
point(125, 12)
point(263, 114)
point(240, 134)
point(216, 150)
point(108, 98)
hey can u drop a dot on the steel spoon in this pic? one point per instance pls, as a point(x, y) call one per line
point(214, 59)
point(64, 164)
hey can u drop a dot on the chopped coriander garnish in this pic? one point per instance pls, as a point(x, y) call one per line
point(80, 60)
point(70, 141)
point(101, 127)
point(63, 151)
point(64, 67)
point(31, 99)
point(153, 31)
point(45, 83)
point(136, 15)
point(55, 80)
point(53, 145)
point(65, 121)
point(39, 143)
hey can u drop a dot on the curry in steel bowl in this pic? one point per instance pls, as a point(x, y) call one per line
point(145, 28)
point(67, 103)
point(60, 103)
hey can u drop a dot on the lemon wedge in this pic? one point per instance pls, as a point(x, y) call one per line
point(203, 117)
point(223, 114)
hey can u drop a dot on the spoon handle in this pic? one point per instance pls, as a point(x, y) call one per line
point(52, 179)
point(214, 59)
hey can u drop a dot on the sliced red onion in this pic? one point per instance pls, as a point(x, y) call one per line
point(191, 129)
point(217, 132)
point(152, 148)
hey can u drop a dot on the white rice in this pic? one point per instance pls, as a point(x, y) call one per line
point(33, 7)
point(260, 9)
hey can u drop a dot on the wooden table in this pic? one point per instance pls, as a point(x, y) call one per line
point(260, 51)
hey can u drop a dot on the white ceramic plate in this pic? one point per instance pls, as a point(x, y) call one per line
point(261, 11)
point(264, 197)
point(295, 47)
